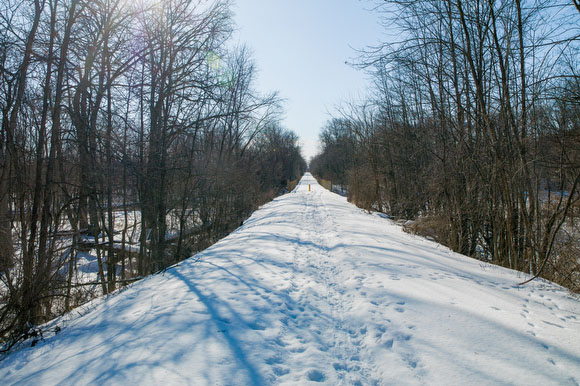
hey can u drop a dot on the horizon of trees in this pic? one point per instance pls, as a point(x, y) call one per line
point(472, 130)
point(130, 129)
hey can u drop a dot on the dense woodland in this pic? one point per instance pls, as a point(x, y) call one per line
point(472, 130)
point(131, 131)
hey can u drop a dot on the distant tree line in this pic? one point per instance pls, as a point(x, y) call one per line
point(128, 130)
point(472, 130)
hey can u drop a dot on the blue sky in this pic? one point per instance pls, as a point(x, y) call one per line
point(300, 48)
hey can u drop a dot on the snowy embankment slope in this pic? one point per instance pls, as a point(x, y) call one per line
point(312, 289)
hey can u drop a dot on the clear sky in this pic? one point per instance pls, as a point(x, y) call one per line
point(300, 48)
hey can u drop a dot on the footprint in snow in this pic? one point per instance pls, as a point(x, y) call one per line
point(280, 371)
point(280, 342)
point(275, 360)
point(411, 362)
point(257, 326)
point(552, 324)
point(315, 376)
point(354, 368)
point(403, 337)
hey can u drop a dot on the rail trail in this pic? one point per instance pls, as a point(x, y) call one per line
point(314, 290)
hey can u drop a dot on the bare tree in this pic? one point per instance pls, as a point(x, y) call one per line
point(454, 135)
point(120, 134)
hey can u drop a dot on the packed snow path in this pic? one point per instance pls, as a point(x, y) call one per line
point(311, 289)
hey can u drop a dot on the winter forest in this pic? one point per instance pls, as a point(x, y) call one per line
point(149, 184)
point(130, 130)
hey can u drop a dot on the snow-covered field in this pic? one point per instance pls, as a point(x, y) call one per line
point(311, 289)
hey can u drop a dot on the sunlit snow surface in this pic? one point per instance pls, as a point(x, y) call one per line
point(313, 290)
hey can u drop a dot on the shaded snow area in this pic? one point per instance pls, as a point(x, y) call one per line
point(313, 290)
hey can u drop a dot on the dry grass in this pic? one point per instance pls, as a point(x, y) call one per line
point(434, 228)
point(326, 184)
point(291, 185)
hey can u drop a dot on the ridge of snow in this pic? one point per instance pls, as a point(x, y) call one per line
point(313, 290)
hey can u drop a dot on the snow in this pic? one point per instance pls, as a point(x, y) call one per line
point(312, 290)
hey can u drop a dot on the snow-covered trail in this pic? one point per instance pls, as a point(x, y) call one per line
point(311, 289)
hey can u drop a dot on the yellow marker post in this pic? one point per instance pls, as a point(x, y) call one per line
point(309, 187)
